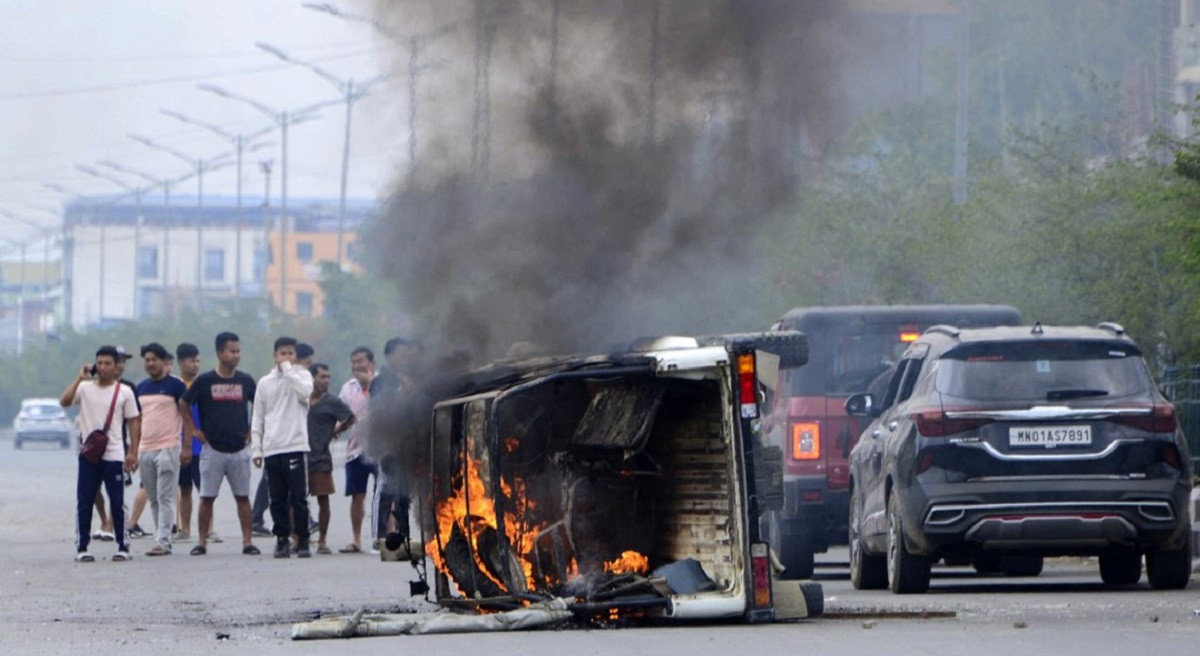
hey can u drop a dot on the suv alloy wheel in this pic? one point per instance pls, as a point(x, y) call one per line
point(907, 573)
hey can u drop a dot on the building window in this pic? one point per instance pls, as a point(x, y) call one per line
point(147, 261)
point(304, 304)
point(304, 251)
point(352, 251)
point(214, 264)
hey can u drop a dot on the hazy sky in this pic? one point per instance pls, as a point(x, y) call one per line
point(78, 76)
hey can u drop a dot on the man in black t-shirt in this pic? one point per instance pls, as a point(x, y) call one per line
point(221, 397)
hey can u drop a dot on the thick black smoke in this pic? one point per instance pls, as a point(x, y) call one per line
point(614, 186)
point(585, 228)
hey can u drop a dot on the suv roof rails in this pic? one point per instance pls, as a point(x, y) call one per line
point(1114, 328)
point(945, 329)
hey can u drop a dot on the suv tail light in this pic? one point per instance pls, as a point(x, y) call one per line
point(806, 440)
point(1160, 420)
point(932, 422)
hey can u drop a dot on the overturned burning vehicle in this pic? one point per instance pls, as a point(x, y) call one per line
point(630, 485)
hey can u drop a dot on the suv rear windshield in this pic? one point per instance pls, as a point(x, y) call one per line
point(1059, 370)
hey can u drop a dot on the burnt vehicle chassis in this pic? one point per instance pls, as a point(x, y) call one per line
point(618, 482)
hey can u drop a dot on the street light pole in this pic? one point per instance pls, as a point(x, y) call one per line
point(284, 119)
point(352, 93)
point(67, 272)
point(240, 142)
point(24, 266)
point(137, 225)
point(47, 234)
point(415, 68)
point(166, 185)
point(200, 167)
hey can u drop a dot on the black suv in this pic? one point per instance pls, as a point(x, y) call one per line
point(998, 447)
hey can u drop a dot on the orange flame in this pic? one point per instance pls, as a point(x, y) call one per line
point(630, 562)
point(519, 528)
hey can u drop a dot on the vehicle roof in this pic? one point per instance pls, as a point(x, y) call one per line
point(39, 401)
point(943, 338)
point(808, 318)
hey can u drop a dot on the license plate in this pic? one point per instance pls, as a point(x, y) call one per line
point(1049, 436)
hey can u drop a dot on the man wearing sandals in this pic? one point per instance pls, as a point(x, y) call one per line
point(279, 439)
point(221, 396)
point(161, 453)
point(104, 404)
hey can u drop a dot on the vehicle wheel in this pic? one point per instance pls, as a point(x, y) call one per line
point(867, 572)
point(907, 573)
point(1169, 569)
point(16, 442)
point(1022, 565)
point(64, 444)
point(814, 598)
point(1121, 567)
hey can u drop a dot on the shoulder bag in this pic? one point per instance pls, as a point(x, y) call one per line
point(96, 442)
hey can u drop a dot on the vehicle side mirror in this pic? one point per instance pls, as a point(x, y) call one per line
point(861, 405)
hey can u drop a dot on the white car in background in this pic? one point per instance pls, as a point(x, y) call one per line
point(42, 420)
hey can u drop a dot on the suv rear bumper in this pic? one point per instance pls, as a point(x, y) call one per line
point(1062, 516)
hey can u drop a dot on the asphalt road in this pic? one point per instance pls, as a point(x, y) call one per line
point(229, 603)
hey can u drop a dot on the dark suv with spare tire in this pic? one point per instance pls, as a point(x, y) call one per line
point(998, 447)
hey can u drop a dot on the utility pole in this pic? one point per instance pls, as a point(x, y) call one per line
point(962, 88)
point(553, 92)
point(265, 167)
point(415, 68)
point(652, 94)
point(481, 130)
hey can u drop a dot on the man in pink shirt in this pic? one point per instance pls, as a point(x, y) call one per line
point(161, 452)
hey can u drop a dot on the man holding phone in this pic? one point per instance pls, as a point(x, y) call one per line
point(104, 405)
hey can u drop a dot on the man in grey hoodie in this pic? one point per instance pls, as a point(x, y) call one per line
point(279, 437)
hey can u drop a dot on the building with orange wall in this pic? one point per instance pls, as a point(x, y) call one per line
point(305, 259)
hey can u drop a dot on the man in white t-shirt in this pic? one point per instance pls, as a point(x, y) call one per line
point(93, 390)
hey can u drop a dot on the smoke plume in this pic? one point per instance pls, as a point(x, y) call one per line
point(588, 172)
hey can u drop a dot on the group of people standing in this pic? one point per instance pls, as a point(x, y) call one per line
point(197, 430)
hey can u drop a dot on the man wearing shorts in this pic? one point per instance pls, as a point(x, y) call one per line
point(220, 397)
point(328, 417)
point(359, 469)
